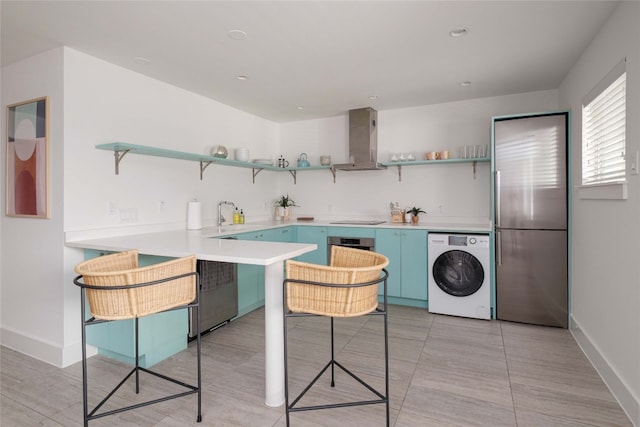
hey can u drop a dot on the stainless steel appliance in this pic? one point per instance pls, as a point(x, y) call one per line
point(363, 141)
point(218, 295)
point(365, 243)
point(530, 181)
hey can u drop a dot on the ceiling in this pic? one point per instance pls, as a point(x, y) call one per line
point(312, 59)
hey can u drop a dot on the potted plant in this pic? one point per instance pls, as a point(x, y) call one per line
point(283, 203)
point(414, 214)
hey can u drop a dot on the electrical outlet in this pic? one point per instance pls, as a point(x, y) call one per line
point(161, 206)
point(440, 209)
point(129, 215)
point(112, 208)
point(330, 208)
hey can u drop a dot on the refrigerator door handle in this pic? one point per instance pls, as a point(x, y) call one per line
point(497, 195)
point(499, 248)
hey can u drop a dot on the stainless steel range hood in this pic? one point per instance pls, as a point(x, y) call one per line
point(363, 141)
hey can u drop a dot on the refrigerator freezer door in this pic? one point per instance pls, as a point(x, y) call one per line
point(531, 277)
point(530, 162)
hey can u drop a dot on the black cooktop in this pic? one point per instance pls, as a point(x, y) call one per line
point(359, 222)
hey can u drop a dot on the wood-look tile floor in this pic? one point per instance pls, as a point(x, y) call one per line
point(444, 371)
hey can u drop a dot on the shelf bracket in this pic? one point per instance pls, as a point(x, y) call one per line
point(119, 154)
point(333, 172)
point(399, 173)
point(255, 172)
point(293, 174)
point(474, 169)
point(203, 166)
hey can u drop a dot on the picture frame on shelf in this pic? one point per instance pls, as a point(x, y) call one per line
point(27, 159)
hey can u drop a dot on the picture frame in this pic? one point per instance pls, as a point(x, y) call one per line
point(27, 159)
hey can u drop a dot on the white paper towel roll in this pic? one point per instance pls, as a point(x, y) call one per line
point(194, 216)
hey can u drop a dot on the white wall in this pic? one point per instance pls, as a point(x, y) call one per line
point(32, 249)
point(606, 233)
point(446, 192)
point(105, 103)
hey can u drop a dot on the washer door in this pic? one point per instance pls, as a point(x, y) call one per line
point(458, 273)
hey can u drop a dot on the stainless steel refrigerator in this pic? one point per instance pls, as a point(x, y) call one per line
point(530, 183)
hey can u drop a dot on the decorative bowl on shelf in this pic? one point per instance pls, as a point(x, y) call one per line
point(219, 151)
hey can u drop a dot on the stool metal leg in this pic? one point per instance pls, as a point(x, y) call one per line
point(333, 360)
point(381, 398)
point(85, 406)
point(93, 414)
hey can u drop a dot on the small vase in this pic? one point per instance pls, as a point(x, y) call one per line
point(415, 219)
point(280, 213)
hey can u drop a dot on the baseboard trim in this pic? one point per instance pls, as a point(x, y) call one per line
point(630, 405)
point(41, 350)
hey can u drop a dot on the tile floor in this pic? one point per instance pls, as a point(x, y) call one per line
point(444, 371)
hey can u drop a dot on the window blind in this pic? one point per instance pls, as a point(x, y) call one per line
point(603, 130)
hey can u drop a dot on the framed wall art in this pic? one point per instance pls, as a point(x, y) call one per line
point(27, 169)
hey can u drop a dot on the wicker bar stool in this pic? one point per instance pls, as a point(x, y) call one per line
point(348, 287)
point(117, 289)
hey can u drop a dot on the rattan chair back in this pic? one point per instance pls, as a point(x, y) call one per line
point(121, 269)
point(337, 289)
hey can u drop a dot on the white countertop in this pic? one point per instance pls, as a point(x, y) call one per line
point(204, 244)
point(179, 243)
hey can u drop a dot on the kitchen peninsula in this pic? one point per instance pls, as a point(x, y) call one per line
point(210, 244)
point(202, 243)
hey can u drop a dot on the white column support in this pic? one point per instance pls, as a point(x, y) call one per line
point(273, 334)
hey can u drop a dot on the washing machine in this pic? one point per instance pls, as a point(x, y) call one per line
point(459, 275)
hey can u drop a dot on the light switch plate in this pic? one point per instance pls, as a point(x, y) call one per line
point(634, 163)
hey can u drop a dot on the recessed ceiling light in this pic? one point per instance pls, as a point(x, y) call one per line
point(141, 60)
point(241, 77)
point(373, 97)
point(300, 107)
point(236, 35)
point(465, 83)
point(459, 32)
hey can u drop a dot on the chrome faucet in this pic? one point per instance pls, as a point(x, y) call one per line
point(220, 217)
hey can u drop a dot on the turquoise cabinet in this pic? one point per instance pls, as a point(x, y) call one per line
point(251, 277)
point(407, 253)
point(388, 244)
point(283, 234)
point(312, 234)
point(250, 281)
point(160, 335)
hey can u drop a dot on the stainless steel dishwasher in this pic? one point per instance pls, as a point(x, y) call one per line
point(218, 296)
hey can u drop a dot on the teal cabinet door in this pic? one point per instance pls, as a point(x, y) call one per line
point(407, 253)
point(414, 275)
point(283, 234)
point(388, 244)
point(250, 281)
point(311, 234)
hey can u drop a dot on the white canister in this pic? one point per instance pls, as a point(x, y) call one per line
point(241, 154)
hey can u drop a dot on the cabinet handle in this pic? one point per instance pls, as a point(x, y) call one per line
point(497, 196)
point(499, 248)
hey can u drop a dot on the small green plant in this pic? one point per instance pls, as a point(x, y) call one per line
point(285, 202)
point(416, 211)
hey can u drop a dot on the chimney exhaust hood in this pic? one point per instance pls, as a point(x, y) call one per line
point(363, 141)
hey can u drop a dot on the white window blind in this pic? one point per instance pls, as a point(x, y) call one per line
point(603, 130)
